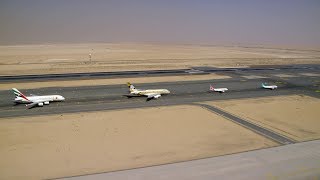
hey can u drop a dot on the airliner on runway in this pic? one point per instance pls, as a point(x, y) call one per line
point(220, 90)
point(149, 93)
point(271, 87)
point(33, 101)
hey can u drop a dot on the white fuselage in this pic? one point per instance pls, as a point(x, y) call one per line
point(220, 89)
point(150, 91)
point(270, 87)
point(31, 99)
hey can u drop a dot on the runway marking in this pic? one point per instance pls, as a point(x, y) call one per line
point(284, 75)
point(280, 82)
point(256, 128)
point(194, 71)
point(253, 77)
point(310, 74)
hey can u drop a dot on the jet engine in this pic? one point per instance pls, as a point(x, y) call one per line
point(40, 104)
point(46, 102)
point(157, 96)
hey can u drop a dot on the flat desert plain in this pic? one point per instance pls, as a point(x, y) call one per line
point(41, 147)
point(63, 58)
point(295, 116)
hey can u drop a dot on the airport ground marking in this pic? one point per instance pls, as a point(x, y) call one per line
point(249, 125)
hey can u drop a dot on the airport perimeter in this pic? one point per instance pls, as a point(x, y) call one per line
point(97, 129)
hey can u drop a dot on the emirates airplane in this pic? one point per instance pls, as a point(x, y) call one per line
point(32, 101)
point(149, 93)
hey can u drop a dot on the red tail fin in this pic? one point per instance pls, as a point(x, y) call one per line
point(19, 94)
point(211, 88)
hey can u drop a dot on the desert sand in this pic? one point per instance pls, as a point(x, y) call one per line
point(295, 116)
point(63, 58)
point(98, 82)
point(41, 147)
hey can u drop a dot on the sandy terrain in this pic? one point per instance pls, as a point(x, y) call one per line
point(294, 116)
point(62, 58)
point(96, 82)
point(72, 144)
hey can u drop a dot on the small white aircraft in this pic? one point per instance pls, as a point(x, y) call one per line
point(32, 101)
point(149, 93)
point(220, 90)
point(271, 87)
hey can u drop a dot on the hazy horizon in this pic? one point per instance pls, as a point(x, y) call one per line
point(229, 22)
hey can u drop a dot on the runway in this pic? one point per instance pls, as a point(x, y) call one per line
point(121, 74)
point(111, 97)
point(242, 84)
point(91, 75)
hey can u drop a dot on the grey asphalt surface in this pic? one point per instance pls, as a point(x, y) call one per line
point(110, 97)
point(122, 74)
point(294, 161)
point(46, 77)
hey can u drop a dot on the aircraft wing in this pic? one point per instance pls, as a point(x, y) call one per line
point(152, 95)
point(132, 95)
point(33, 104)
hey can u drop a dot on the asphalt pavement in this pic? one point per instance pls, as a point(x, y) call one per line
point(242, 84)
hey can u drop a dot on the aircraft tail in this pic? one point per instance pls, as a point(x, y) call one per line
point(18, 93)
point(211, 88)
point(131, 87)
point(262, 84)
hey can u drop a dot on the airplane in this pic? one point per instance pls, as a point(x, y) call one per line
point(32, 101)
point(149, 93)
point(220, 90)
point(271, 87)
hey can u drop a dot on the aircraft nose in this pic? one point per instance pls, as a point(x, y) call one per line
point(62, 98)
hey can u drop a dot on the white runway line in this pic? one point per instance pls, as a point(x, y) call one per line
point(285, 75)
point(253, 77)
point(310, 74)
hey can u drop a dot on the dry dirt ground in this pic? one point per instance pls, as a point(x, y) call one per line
point(296, 116)
point(72, 144)
point(97, 82)
point(63, 58)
